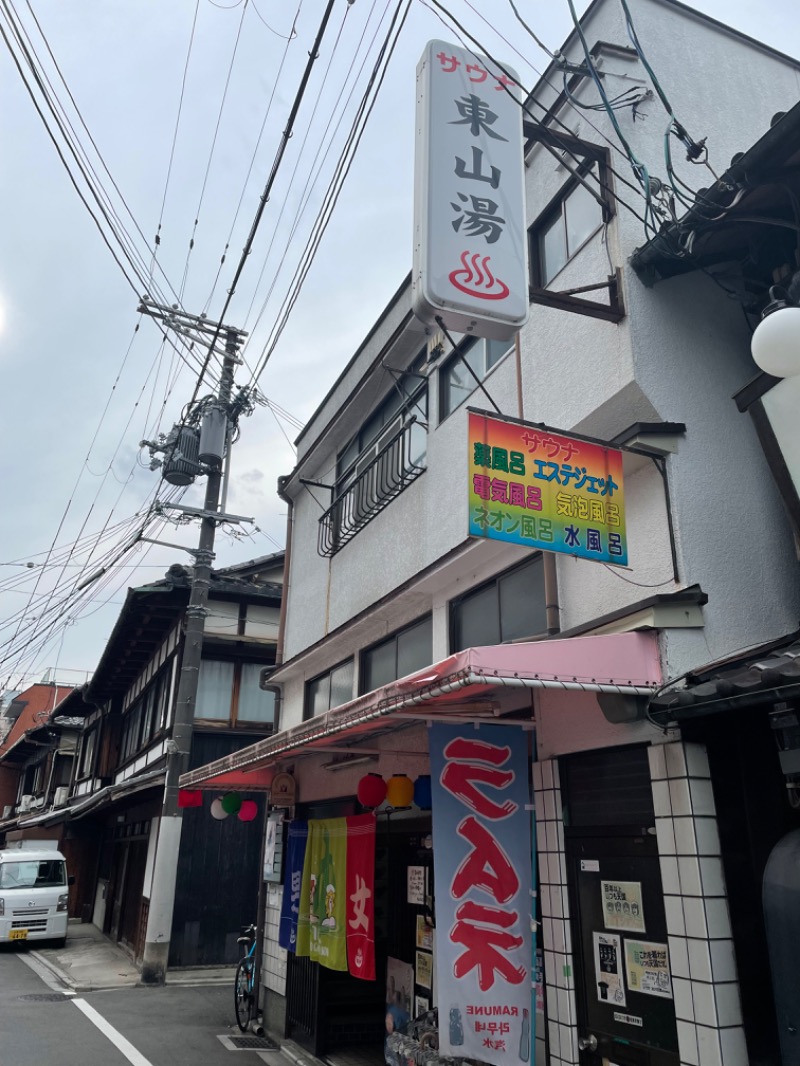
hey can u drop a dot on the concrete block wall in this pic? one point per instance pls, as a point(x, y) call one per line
point(704, 977)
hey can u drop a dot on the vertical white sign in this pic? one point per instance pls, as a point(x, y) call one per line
point(470, 243)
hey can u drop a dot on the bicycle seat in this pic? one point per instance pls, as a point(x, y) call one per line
point(243, 939)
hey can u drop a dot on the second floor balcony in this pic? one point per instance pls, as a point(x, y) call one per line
point(375, 482)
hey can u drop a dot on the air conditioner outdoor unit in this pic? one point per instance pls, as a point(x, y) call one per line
point(38, 802)
point(7, 810)
point(61, 796)
point(25, 804)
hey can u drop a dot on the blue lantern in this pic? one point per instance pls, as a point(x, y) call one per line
point(422, 792)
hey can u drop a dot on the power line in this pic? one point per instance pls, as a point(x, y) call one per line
point(315, 171)
point(246, 182)
point(94, 189)
point(287, 133)
point(336, 184)
point(211, 153)
point(157, 240)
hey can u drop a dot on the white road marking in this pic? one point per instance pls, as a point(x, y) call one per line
point(42, 972)
point(135, 1057)
point(123, 1045)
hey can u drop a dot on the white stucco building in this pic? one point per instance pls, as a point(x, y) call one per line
point(383, 581)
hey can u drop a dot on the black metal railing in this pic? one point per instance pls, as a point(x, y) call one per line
point(392, 470)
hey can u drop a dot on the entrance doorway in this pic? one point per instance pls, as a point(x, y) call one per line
point(624, 1004)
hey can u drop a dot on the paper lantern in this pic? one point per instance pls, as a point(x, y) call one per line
point(218, 811)
point(188, 797)
point(399, 791)
point(776, 343)
point(248, 810)
point(371, 790)
point(422, 792)
point(231, 802)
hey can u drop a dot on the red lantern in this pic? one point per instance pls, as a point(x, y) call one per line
point(248, 810)
point(188, 797)
point(371, 790)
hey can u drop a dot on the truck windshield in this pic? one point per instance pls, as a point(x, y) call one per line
point(33, 873)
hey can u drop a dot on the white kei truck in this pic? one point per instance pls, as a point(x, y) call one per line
point(34, 892)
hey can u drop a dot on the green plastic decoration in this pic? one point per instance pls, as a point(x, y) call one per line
point(231, 802)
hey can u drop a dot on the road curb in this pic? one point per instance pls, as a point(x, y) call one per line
point(55, 971)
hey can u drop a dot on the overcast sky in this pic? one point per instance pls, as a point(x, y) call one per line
point(78, 396)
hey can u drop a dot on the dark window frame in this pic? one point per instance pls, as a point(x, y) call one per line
point(397, 403)
point(476, 590)
point(308, 713)
point(387, 639)
point(86, 762)
point(590, 155)
point(462, 349)
point(233, 721)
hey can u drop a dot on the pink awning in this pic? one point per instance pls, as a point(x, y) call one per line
point(626, 663)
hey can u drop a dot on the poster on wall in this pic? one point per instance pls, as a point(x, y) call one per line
point(608, 968)
point(622, 905)
point(647, 968)
point(538, 487)
point(272, 847)
point(482, 840)
point(424, 969)
point(424, 934)
point(415, 893)
point(421, 1005)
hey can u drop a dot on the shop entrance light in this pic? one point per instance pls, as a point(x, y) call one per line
point(776, 341)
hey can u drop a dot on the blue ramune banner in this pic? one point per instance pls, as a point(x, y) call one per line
point(482, 844)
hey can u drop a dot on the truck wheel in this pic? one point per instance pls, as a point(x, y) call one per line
point(60, 942)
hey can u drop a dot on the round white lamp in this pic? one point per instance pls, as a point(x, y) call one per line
point(775, 344)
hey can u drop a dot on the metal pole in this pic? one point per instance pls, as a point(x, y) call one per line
point(165, 871)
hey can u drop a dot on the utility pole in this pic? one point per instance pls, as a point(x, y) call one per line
point(165, 869)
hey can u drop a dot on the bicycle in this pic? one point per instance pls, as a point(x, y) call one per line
point(244, 984)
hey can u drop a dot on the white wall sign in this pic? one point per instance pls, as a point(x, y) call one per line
point(416, 885)
point(470, 243)
point(622, 905)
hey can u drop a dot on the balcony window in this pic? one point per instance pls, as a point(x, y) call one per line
point(88, 745)
point(380, 461)
point(330, 689)
point(229, 693)
point(572, 217)
point(255, 705)
point(508, 607)
point(455, 381)
point(403, 653)
point(214, 691)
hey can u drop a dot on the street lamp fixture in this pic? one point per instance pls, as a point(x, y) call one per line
point(776, 341)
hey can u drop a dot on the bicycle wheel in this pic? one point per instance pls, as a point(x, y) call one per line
point(243, 993)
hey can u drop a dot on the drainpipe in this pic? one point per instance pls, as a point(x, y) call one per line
point(550, 572)
point(552, 609)
point(286, 562)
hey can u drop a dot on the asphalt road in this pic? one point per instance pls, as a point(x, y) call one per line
point(40, 1025)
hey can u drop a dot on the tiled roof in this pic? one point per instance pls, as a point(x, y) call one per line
point(770, 673)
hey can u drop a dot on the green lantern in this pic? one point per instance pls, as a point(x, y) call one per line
point(231, 802)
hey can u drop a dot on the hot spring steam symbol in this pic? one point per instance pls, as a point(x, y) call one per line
point(476, 279)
